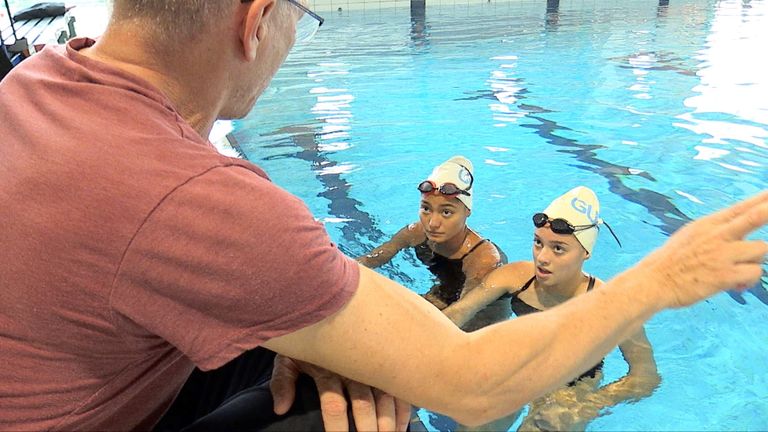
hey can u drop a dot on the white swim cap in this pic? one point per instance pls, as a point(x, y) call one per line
point(579, 206)
point(458, 171)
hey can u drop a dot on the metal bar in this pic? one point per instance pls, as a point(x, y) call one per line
point(10, 18)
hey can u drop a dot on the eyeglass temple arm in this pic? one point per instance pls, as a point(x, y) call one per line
point(306, 10)
point(302, 7)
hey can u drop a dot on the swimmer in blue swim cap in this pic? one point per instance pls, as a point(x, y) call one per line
point(564, 237)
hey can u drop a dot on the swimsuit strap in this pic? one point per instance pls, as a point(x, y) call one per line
point(527, 284)
point(525, 287)
point(473, 248)
point(591, 283)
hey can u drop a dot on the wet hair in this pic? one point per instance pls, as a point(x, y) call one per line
point(183, 18)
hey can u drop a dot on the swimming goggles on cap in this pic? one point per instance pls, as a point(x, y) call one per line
point(428, 186)
point(562, 226)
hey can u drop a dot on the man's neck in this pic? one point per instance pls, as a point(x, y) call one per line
point(180, 80)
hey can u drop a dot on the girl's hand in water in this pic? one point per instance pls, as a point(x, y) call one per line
point(563, 410)
point(566, 415)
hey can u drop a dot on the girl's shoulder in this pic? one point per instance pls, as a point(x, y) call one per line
point(482, 254)
point(513, 275)
point(413, 234)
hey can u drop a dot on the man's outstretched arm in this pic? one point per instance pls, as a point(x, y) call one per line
point(388, 337)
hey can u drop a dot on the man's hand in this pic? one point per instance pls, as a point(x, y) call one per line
point(710, 255)
point(372, 409)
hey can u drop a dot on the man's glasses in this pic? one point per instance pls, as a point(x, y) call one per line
point(562, 226)
point(307, 25)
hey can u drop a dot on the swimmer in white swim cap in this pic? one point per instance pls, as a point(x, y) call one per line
point(456, 255)
point(564, 237)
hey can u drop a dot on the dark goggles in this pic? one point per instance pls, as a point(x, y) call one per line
point(428, 186)
point(562, 226)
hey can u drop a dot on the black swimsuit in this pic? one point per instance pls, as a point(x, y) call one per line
point(520, 308)
point(449, 271)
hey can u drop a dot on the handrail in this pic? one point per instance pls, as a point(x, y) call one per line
point(10, 18)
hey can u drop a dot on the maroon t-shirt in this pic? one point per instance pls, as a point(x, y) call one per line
point(132, 251)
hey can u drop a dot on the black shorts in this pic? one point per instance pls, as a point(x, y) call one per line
point(236, 397)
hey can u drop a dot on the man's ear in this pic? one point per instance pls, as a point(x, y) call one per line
point(252, 26)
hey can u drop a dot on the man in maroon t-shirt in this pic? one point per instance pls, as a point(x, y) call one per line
point(134, 252)
point(137, 252)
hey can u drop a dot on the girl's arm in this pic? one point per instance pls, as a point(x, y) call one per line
point(641, 379)
point(410, 235)
point(498, 282)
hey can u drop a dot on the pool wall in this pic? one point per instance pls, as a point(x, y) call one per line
point(373, 5)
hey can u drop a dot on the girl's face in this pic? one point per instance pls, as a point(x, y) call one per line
point(443, 217)
point(558, 257)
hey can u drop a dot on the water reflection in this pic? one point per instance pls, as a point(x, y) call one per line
point(732, 85)
point(553, 15)
point(419, 32)
point(662, 8)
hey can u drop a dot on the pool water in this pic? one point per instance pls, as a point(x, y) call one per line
point(661, 109)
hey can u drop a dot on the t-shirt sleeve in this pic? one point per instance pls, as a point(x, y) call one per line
point(227, 261)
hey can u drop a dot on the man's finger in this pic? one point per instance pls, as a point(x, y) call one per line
point(746, 275)
point(385, 411)
point(738, 209)
point(747, 222)
point(403, 414)
point(283, 384)
point(333, 404)
point(363, 406)
point(748, 252)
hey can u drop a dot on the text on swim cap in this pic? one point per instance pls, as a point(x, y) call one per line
point(586, 209)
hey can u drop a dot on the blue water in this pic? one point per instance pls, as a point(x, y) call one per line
point(662, 110)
